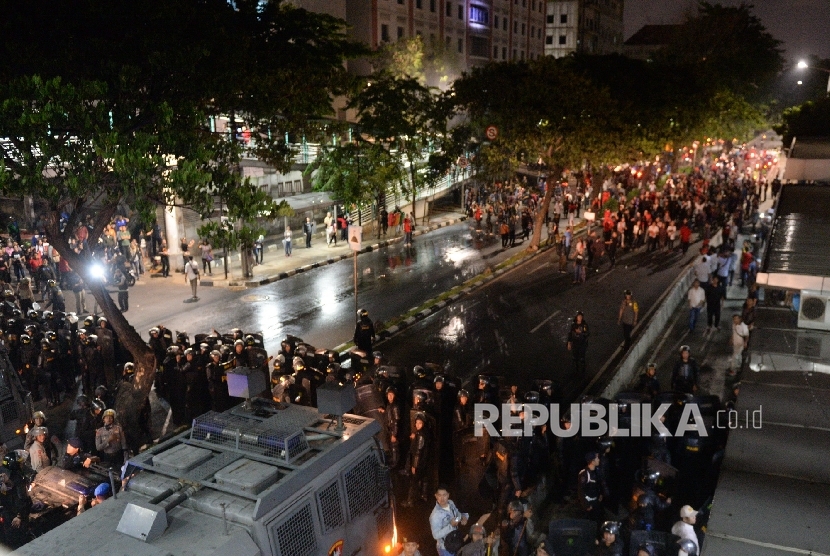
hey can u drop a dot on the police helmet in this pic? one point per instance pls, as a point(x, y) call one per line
point(604, 443)
point(32, 314)
point(287, 378)
point(419, 396)
point(651, 365)
point(298, 363)
point(377, 355)
point(250, 340)
point(48, 315)
point(515, 506)
point(236, 332)
point(362, 313)
point(80, 332)
point(215, 353)
point(109, 413)
point(17, 313)
point(154, 331)
point(10, 324)
point(11, 462)
point(612, 527)
point(532, 397)
point(437, 379)
point(37, 431)
point(30, 329)
point(302, 350)
point(391, 390)
point(97, 405)
point(25, 339)
point(172, 349)
point(203, 346)
point(100, 391)
point(129, 368)
point(649, 477)
point(44, 345)
point(421, 417)
point(39, 415)
point(463, 393)
point(224, 350)
point(333, 368)
point(648, 548)
point(182, 338)
point(89, 321)
point(9, 295)
point(626, 292)
point(92, 339)
point(103, 321)
point(484, 379)
point(579, 314)
point(419, 371)
point(239, 343)
point(188, 351)
point(279, 358)
point(688, 546)
point(685, 348)
point(51, 283)
point(82, 401)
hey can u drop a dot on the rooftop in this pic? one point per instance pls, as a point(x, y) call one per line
point(652, 35)
point(811, 148)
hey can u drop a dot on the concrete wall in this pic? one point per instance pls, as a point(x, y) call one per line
point(655, 325)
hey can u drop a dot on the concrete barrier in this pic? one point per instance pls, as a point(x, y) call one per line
point(655, 323)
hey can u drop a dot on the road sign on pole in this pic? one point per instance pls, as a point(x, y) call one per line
point(463, 162)
point(355, 237)
point(491, 132)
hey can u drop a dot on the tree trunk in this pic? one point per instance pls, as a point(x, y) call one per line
point(130, 402)
point(543, 210)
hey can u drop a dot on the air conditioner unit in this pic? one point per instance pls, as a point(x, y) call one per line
point(814, 310)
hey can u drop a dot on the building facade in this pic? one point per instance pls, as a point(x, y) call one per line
point(476, 31)
point(584, 26)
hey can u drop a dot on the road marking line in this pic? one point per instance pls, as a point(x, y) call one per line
point(603, 277)
point(541, 266)
point(544, 321)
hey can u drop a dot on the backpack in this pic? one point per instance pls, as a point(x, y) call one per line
point(454, 541)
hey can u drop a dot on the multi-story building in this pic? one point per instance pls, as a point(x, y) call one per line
point(584, 26)
point(477, 31)
point(643, 44)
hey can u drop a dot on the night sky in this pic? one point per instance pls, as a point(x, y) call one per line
point(802, 25)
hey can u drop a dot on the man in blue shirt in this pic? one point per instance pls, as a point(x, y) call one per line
point(444, 519)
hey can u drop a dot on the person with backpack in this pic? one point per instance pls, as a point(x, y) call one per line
point(191, 276)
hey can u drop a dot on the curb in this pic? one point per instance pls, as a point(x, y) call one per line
point(331, 260)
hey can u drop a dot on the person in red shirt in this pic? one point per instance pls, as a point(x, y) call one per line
point(685, 236)
point(407, 230)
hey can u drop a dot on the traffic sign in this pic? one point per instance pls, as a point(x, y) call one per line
point(463, 162)
point(491, 132)
point(355, 237)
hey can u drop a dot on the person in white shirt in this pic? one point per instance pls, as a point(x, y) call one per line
point(685, 527)
point(702, 270)
point(191, 276)
point(697, 299)
point(671, 232)
point(740, 339)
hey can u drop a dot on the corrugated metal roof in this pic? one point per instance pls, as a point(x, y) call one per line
point(798, 240)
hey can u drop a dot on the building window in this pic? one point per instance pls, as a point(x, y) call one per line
point(384, 33)
point(496, 21)
point(523, 55)
point(479, 47)
point(550, 19)
point(515, 53)
point(523, 29)
point(515, 27)
point(549, 39)
point(419, 4)
point(563, 39)
point(461, 13)
point(534, 5)
point(532, 31)
point(524, 3)
point(504, 24)
point(539, 33)
point(449, 42)
point(432, 6)
point(479, 14)
point(400, 33)
point(504, 53)
point(461, 45)
point(431, 38)
point(495, 53)
point(563, 19)
point(449, 9)
point(400, 2)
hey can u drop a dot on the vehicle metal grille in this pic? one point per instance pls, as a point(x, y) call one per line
point(9, 411)
point(364, 489)
point(296, 536)
point(384, 521)
point(330, 507)
point(245, 435)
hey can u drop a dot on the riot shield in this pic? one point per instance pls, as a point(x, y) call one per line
point(663, 543)
point(572, 537)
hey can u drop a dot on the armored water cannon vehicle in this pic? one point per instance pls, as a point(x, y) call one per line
point(261, 479)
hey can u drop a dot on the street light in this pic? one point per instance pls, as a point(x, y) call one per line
point(803, 65)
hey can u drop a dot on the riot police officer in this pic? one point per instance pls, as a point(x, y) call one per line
point(364, 332)
point(15, 504)
point(419, 462)
point(462, 427)
point(589, 488)
point(392, 416)
point(195, 385)
point(578, 341)
point(684, 377)
point(610, 543)
point(217, 382)
point(110, 441)
point(648, 383)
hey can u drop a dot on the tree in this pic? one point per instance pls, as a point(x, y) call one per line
point(544, 110)
point(809, 119)
point(112, 106)
point(432, 63)
point(410, 121)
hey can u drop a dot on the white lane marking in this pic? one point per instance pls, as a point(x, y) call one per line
point(544, 321)
point(541, 266)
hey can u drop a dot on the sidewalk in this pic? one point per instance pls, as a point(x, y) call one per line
point(277, 266)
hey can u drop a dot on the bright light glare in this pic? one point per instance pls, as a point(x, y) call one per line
point(96, 271)
point(800, 82)
point(802, 64)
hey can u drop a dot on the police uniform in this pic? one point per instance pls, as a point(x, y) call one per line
point(217, 386)
point(392, 416)
point(685, 375)
point(364, 333)
point(589, 491)
point(578, 340)
point(111, 444)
